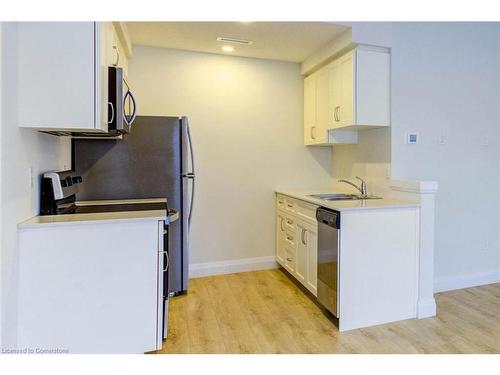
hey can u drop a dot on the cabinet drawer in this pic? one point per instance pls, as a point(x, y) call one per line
point(290, 224)
point(290, 239)
point(290, 205)
point(306, 211)
point(290, 260)
point(280, 202)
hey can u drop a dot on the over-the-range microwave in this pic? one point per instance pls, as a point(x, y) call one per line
point(121, 101)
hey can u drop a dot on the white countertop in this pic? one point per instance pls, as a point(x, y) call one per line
point(51, 220)
point(347, 205)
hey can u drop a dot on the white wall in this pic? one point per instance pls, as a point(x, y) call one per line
point(370, 158)
point(445, 81)
point(20, 149)
point(246, 120)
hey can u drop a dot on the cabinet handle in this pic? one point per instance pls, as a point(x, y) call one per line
point(289, 238)
point(112, 112)
point(281, 225)
point(289, 222)
point(289, 259)
point(336, 114)
point(117, 55)
point(303, 237)
point(289, 205)
point(313, 136)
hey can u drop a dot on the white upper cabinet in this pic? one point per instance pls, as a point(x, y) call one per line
point(310, 127)
point(117, 56)
point(364, 100)
point(318, 111)
point(351, 93)
point(63, 75)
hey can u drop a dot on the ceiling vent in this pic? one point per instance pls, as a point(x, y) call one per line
point(226, 39)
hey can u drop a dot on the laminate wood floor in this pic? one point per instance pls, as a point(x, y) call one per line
point(266, 312)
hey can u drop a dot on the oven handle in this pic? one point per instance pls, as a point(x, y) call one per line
point(167, 263)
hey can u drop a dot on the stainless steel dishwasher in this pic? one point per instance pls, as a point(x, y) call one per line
point(328, 258)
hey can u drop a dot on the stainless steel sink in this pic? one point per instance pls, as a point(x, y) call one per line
point(342, 197)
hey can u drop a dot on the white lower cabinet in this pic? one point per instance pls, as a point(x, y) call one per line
point(297, 240)
point(91, 287)
point(378, 259)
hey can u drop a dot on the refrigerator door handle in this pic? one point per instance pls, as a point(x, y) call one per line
point(190, 174)
point(191, 152)
point(191, 203)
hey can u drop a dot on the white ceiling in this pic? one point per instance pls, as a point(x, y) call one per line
point(287, 41)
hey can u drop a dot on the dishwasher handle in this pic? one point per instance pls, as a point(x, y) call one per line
point(328, 217)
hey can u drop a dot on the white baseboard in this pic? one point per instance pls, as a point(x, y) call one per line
point(231, 266)
point(426, 308)
point(443, 284)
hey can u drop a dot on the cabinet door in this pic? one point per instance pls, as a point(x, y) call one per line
point(114, 53)
point(103, 41)
point(310, 130)
point(334, 99)
point(346, 80)
point(301, 254)
point(311, 243)
point(280, 238)
point(322, 105)
point(56, 75)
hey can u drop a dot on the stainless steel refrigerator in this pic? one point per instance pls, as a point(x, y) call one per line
point(154, 161)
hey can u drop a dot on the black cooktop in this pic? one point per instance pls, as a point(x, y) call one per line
point(117, 208)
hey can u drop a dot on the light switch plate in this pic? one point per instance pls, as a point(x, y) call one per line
point(31, 182)
point(412, 138)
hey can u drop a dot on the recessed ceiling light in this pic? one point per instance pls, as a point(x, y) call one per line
point(226, 39)
point(227, 48)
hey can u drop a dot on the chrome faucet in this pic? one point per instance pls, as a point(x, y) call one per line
point(361, 188)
